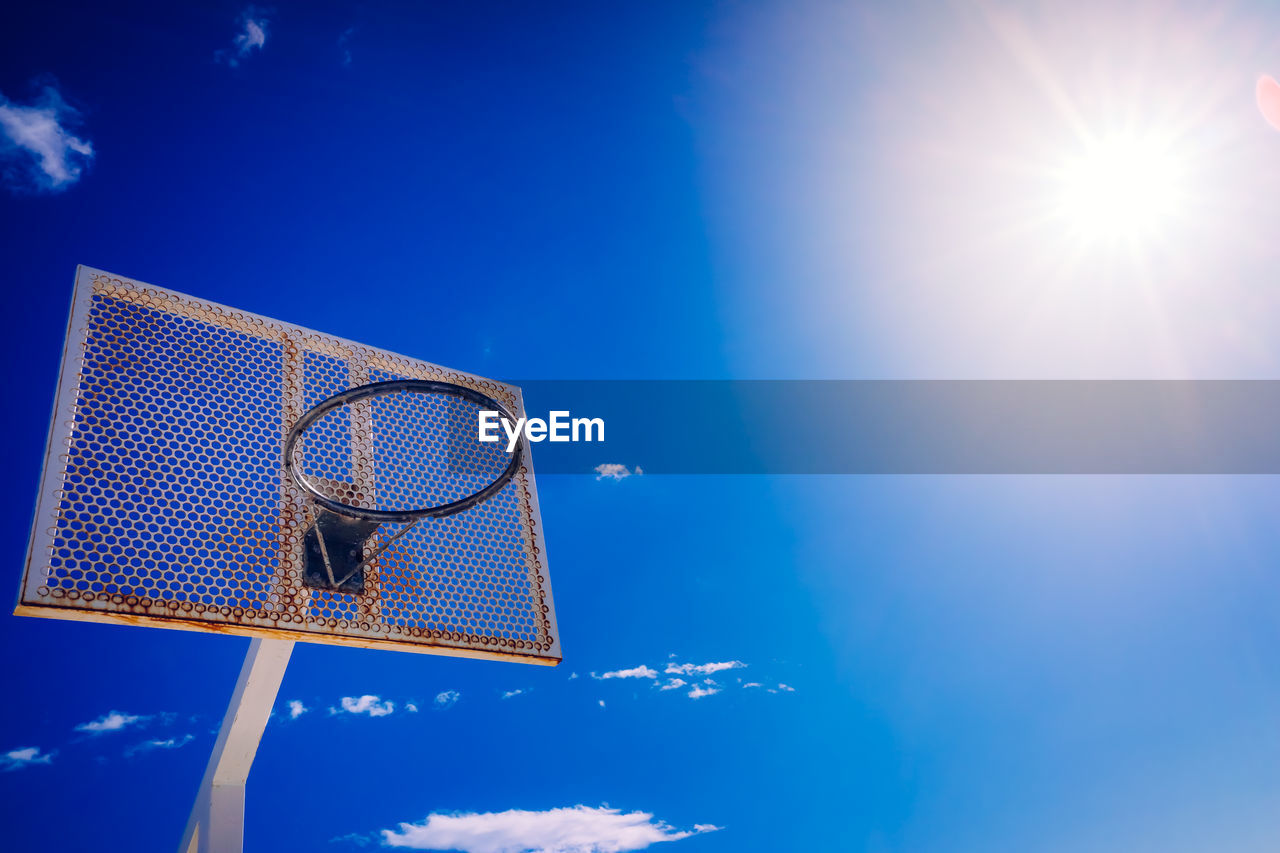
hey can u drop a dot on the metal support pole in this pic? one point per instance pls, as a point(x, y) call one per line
point(216, 824)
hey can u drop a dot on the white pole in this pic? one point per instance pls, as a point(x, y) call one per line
point(216, 824)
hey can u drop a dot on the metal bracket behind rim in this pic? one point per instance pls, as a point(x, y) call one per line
point(334, 551)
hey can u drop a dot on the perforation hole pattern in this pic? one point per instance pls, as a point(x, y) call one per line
point(168, 497)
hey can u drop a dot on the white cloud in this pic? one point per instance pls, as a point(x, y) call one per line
point(297, 709)
point(614, 471)
point(113, 721)
point(673, 684)
point(601, 703)
point(699, 691)
point(446, 699)
point(167, 743)
point(252, 36)
point(367, 704)
point(579, 829)
point(753, 684)
point(510, 694)
point(410, 707)
point(640, 671)
point(37, 152)
point(16, 759)
point(572, 676)
point(787, 688)
point(702, 668)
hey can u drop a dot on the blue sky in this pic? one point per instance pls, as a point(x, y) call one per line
point(637, 191)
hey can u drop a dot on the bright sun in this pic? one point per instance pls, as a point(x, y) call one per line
point(1125, 187)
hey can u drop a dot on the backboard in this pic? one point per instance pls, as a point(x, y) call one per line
point(164, 499)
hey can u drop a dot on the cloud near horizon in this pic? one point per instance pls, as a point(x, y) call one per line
point(640, 671)
point(702, 668)
point(374, 706)
point(579, 829)
point(37, 151)
point(690, 672)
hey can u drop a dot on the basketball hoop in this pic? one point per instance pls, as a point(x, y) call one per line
point(339, 529)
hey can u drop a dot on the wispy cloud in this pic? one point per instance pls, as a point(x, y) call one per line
point(694, 676)
point(640, 671)
point(112, 721)
point(411, 707)
point(297, 709)
point(511, 694)
point(252, 36)
point(17, 759)
point(615, 471)
point(579, 829)
point(344, 46)
point(37, 151)
point(702, 668)
point(446, 699)
point(166, 743)
point(374, 706)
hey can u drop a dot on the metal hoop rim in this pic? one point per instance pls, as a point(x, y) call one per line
point(374, 389)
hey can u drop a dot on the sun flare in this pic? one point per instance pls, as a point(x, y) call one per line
point(1122, 187)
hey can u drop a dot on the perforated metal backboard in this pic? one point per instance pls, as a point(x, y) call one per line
point(164, 500)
